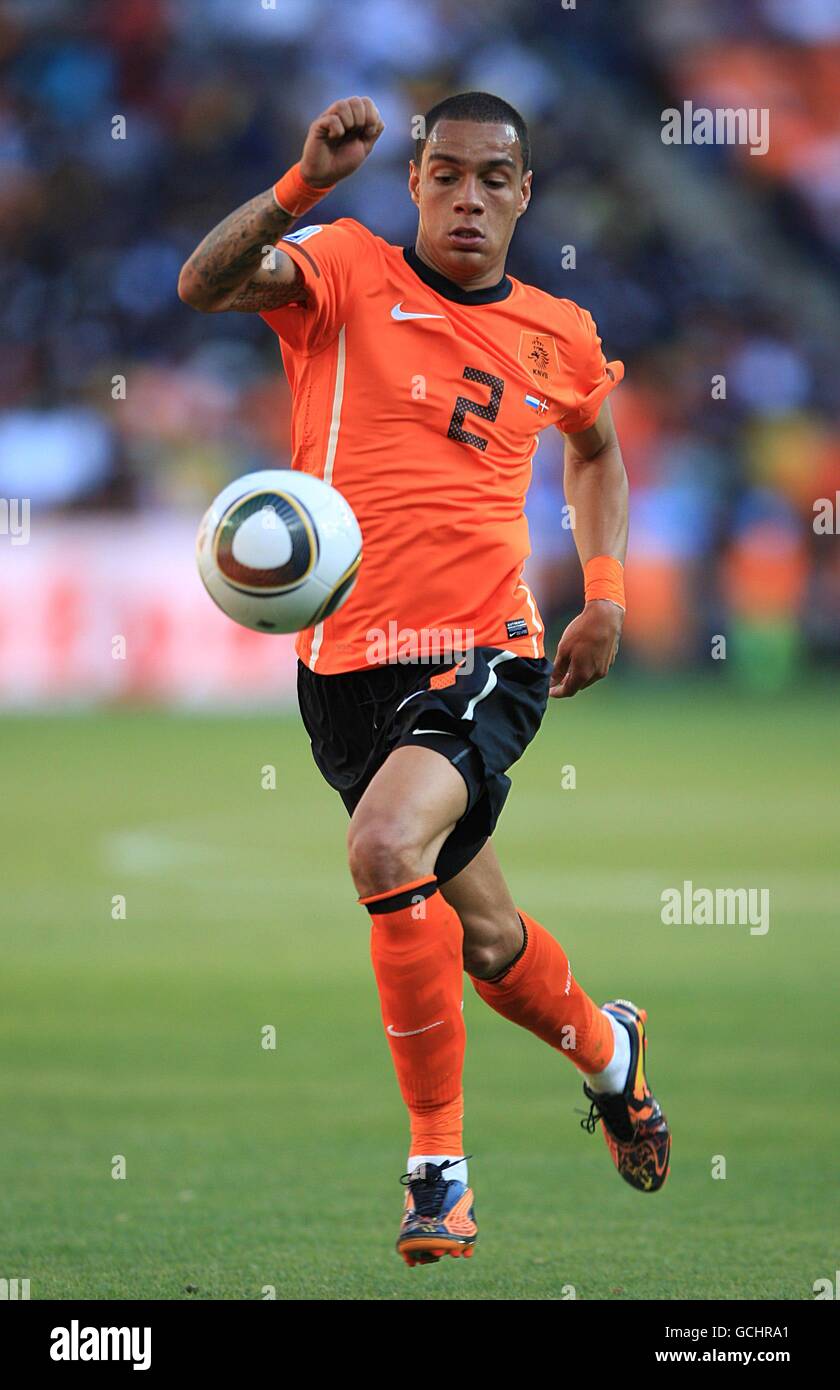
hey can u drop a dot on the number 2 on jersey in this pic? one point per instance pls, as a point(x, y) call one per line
point(487, 412)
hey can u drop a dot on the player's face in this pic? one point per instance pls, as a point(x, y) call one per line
point(470, 189)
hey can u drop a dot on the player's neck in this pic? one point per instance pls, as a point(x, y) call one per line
point(490, 279)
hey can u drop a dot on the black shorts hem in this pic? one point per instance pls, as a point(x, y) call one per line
point(481, 720)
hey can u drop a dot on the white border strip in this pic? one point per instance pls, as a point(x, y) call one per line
point(533, 608)
point(329, 462)
point(490, 684)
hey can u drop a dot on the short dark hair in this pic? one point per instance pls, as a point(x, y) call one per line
point(476, 106)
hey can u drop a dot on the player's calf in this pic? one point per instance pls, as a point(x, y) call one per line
point(416, 946)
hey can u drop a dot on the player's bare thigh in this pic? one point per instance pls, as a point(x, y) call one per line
point(396, 834)
point(406, 813)
point(482, 900)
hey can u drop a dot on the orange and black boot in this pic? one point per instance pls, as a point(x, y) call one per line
point(635, 1129)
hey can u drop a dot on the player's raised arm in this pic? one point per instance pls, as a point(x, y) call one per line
point(596, 488)
point(237, 266)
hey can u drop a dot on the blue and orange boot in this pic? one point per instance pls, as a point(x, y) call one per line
point(634, 1126)
point(438, 1218)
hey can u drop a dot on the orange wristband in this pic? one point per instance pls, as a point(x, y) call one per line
point(603, 577)
point(295, 196)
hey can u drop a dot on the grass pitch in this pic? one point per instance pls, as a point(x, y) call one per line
point(250, 1168)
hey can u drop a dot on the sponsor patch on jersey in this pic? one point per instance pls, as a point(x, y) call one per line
point(303, 234)
point(517, 627)
point(538, 355)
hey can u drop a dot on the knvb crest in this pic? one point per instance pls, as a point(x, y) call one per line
point(538, 354)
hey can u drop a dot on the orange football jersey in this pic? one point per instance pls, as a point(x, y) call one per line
point(422, 403)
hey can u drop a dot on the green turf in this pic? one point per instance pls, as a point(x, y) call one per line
point(248, 1167)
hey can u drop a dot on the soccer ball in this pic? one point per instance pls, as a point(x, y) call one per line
point(279, 550)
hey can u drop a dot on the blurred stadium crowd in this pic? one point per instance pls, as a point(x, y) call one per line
point(700, 264)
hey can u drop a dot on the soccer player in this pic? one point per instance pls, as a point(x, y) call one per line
point(421, 378)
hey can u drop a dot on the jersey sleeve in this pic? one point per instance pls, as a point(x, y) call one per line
point(329, 257)
point(593, 377)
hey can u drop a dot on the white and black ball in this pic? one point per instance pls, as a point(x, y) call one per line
point(279, 550)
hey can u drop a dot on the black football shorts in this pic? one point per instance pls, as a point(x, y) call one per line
point(481, 714)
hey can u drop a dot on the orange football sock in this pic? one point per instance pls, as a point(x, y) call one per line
point(417, 947)
point(540, 993)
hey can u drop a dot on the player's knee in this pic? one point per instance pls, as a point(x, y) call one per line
point(489, 946)
point(382, 854)
point(485, 961)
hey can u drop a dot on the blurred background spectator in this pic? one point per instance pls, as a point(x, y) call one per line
point(714, 274)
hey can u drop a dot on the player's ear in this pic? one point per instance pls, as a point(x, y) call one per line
point(525, 192)
point(414, 181)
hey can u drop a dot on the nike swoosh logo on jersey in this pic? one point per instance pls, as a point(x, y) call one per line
point(411, 1032)
point(399, 313)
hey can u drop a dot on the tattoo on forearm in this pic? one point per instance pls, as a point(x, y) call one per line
point(229, 256)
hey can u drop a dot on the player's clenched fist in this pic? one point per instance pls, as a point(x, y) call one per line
point(339, 141)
